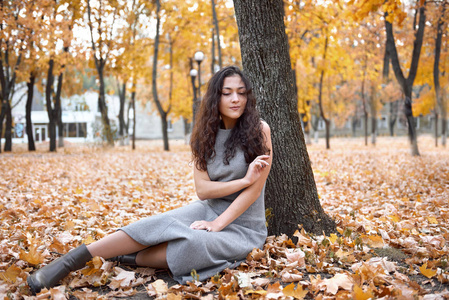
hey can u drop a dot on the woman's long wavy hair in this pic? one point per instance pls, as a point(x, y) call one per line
point(247, 133)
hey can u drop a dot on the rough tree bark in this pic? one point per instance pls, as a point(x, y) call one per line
point(291, 191)
point(407, 83)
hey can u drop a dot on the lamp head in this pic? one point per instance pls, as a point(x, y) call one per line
point(199, 56)
point(193, 73)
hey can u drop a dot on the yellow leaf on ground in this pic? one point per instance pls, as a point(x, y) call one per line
point(375, 241)
point(297, 293)
point(394, 218)
point(359, 294)
point(10, 275)
point(429, 273)
point(432, 220)
point(88, 240)
point(257, 292)
point(33, 257)
point(333, 238)
point(93, 266)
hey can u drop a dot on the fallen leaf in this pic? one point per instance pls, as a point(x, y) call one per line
point(291, 291)
point(429, 273)
point(11, 274)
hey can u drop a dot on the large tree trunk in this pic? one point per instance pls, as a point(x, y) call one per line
point(28, 106)
point(291, 192)
point(162, 113)
point(407, 83)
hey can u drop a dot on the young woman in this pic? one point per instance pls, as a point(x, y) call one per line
point(232, 157)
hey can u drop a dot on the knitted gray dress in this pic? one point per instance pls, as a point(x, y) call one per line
point(207, 252)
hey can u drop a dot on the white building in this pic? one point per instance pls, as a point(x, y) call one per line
point(82, 119)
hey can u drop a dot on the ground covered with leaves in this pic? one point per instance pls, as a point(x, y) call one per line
point(391, 210)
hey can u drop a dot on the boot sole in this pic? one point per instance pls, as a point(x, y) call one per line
point(34, 287)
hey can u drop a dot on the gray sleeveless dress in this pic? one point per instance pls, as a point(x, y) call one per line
point(207, 252)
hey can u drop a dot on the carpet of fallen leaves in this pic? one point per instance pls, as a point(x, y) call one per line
point(391, 210)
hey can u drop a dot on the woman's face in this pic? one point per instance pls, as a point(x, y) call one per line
point(232, 101)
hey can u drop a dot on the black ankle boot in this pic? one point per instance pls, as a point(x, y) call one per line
point(127, 259)
point(52, 273)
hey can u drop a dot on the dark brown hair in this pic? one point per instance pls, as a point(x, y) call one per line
point(247, 133)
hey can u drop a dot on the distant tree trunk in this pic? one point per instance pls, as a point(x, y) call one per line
point(291, 190)
point(58, 110)
point(407, 83)
point(58, 106)
point(28, 106)
point(60, 130)
point(386, 80)
point(436, 80)
point(133, 101)
point(186, 129)
point(52, 117)
point(100, 63)
point(320, 97)
point(212, 60)
point(162, 113)
point(373, 107)
point(7, 82)
point(354, 121)
point(365, 110)
point(217, 34)
point(393, 116)
point(8, 127)
point(121, 114)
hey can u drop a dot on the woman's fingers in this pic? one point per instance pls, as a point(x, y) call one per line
point(261, 161)
point(200, 225)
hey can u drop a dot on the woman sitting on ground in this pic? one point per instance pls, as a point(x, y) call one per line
point(231, 150)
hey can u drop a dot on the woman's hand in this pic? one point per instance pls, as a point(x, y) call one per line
point(204, 225)
point(256, 168)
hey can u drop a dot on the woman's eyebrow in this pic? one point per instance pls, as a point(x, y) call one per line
point(228, 88)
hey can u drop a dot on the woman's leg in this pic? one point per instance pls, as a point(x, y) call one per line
point(154, 257)
point(120, 243)
point(117, 243)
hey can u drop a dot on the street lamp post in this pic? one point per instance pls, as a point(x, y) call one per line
point(193, 74)
point(199, 57)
